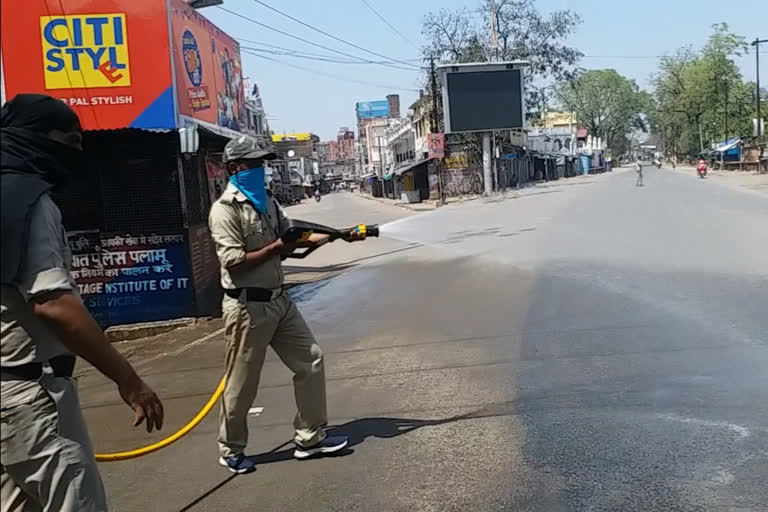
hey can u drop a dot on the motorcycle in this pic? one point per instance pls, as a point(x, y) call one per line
point(657, 163)
point(317, 196)
point(701, 168)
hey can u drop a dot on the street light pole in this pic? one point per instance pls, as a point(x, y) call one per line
point(726, 110)
point(756, 44)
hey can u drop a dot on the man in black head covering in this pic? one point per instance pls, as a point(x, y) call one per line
point(48, 463)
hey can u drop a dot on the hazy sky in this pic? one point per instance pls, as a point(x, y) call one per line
point(619, 34)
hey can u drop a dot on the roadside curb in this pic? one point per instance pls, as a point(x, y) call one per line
point(392, 202)
point(510, 193)
point(144, 330)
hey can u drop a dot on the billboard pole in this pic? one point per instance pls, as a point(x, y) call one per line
point(487, 178)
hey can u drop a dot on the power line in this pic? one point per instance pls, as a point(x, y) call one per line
point(293, 51)
point(631, 56)
point(328, 75)
point(300, 55)
point(268, 27)
point(382, 18)
point(622, 56)
point(264, 4)
point(311, 56)
point(289, 52)
point(335, 77)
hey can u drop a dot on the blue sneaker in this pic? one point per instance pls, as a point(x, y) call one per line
point(330, 444)
point(238, 463)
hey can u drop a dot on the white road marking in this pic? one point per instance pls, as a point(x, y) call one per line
point(182, 349)
point(197, 342)
point(255, 411)
point(742, 432)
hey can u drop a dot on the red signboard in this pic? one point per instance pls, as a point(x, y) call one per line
point(436, 145)
point(209, 78)
point(109, 60)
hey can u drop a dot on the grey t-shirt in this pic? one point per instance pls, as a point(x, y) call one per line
point(24, 338)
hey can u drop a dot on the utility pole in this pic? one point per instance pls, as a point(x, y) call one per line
point(433, 82)
point(434, 127)
point(726, 110)
point(756, 44)
point(381, 158)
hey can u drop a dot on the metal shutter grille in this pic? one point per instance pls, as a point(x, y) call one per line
point(142, 196)
point(128, 185)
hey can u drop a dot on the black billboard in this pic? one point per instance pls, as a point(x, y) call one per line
point(484, 100)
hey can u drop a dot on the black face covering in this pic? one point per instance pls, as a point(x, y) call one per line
point(30, 165)
point(26, 120)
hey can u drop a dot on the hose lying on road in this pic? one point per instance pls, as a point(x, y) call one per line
point(138, 452)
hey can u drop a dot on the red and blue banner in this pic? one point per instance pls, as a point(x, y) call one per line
point(109, 60)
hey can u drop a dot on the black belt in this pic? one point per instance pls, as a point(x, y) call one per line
point(253, 294)
point(62, 366)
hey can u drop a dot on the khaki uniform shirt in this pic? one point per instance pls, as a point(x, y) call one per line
point(24, 338)
point(238, 228)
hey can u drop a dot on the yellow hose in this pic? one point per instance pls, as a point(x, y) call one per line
point(138, 452)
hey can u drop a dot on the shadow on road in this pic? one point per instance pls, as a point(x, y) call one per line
point(357, 431)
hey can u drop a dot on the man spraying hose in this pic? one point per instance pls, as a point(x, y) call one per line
point(246, 223)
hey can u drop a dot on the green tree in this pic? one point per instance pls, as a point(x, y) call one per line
point(606, 103)
point(521, 33)
point(698, 93)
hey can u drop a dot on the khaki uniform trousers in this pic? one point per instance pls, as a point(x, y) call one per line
point(250, 328)
point(47, 459)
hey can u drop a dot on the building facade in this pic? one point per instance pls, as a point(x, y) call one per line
point(421, 115)
point(375, 145)
point(337, 157)
point(555, 133)
point(255, 117)
point(369, 152)
point(301, 144)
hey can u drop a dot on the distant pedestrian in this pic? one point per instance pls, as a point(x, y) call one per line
point(639, 170)
point(47, 460)
point(246, 223)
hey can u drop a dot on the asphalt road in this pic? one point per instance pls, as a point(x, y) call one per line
point(584, 347)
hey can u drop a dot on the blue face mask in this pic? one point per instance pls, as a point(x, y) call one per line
point(251, 182)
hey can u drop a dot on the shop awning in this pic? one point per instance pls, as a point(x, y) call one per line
point(411, 166)
point(388, 176)
point(728, 145)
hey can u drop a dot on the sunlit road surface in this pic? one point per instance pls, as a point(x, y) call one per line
point(585, 347)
